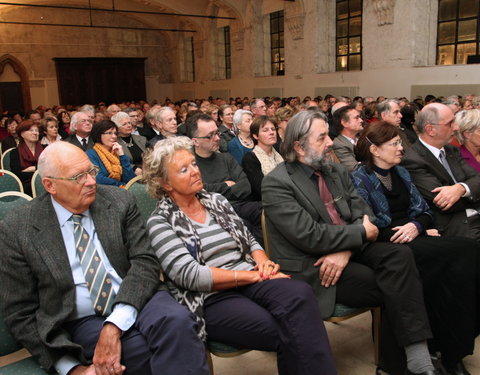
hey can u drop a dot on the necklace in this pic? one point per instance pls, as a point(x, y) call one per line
point(246, 142)
point(129, 142)
point(385, 180)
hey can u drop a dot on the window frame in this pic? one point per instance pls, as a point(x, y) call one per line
point(348, 36)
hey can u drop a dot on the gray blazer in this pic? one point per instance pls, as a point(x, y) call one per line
point(343, 149)
point(138, 140)
point(428, 173)
point(299, 227)
point(38, 292)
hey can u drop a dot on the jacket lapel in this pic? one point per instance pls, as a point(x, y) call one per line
point(430, 159)
point(47, 239)
point(306, 186)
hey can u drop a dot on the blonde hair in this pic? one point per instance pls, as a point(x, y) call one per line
point(468, 121)
point(155, 162)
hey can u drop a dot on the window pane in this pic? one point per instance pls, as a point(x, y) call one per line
point(342, 28)
point(354, 62)
point(446, 32)
point(355, 8)
point(354, 45)
point(342, 10)
point(467, 30)
point(463, 51)
point(274, 24)
point(280, 24)
point(274, 40)
point(445, 55)
point(468, 8)
point(342, 46)
point(341, 63)
point(447, 10)
point(356, 26)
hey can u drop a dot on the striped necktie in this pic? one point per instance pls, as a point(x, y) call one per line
point(96, 276)
point(443, 159)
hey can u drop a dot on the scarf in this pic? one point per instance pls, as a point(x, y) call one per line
point(370, 188)
point(27, 159)
point(110, 161)
point(267, 162)
point(183, 227)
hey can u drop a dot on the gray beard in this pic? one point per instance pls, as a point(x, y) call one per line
point(314, 160)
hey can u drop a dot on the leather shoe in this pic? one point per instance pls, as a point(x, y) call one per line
point(457, 369)
point(429, 372)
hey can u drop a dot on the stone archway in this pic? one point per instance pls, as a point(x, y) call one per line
point(20, 69)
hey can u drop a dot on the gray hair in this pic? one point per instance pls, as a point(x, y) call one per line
point(119, 116)
point(298, 130)
point(385, 106)
point(74, 119)
point(158, 115)
point(428, 115)
point(254, 102)
point(156, 160)
point(468, 121)
point(110, 107)
point(237, 117)
point(46, 167)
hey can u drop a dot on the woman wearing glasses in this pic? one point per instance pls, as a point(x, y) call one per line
point(447, 265)
point(243, 142)
point(108, 156)
point(24, 158)
point(264, 158)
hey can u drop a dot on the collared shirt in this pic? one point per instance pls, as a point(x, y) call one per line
point(351, 140)
point(436, 152)
point(81, 138)
point(123, 315)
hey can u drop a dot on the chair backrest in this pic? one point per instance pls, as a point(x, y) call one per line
point(37, 186)
point(266, 244)
point(6, 159)
point(146, 204)
point(11, 200)
point(9, 182)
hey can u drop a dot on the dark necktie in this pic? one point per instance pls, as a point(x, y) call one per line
point(84, 144)
point(443, 160)
point(96, 276)
point(327, 199)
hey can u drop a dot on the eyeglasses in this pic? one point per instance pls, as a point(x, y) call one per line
point(395, 143)
point(111, 133)
point(447, 124)
point(210, 136)
point(80, 178)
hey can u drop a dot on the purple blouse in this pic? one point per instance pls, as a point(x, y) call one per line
point(469, 158)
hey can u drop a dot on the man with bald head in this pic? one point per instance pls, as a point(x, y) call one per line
point(80, 281)
point(446, 181)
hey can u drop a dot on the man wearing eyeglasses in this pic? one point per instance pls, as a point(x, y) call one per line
point(221, 173)
point(80, 282)
point(82, 126)
point(446, 181)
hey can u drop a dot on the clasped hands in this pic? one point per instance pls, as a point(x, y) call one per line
point(268, 270)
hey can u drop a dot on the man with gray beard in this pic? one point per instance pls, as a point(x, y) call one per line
point(320, 232)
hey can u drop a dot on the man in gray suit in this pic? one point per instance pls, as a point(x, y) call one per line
point(319, 232)
point(449, 185)
point(104, 316)
point(349, 122)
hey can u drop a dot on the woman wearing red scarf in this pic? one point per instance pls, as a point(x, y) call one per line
point(24, 159)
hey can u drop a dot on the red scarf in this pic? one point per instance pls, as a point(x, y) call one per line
point(27, 159)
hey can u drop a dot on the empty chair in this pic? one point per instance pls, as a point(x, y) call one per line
point(9, 182)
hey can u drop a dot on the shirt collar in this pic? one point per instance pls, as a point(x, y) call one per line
point(435, 151)
point(63, 214)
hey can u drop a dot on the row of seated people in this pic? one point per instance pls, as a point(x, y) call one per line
point(320, 233)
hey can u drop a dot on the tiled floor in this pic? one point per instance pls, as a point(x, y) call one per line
point(352, 348)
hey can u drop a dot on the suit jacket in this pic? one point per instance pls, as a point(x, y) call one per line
point(428, 173)
point(343, 149)
point(38, 292)
point(299, 227)
point(72, 138)
point(139, 140)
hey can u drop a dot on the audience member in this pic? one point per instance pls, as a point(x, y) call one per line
point(80, 129)
point(349, 123)
point(133, 145)
point(49, 131)
point(409, 113)
point(243, 142)
point(42, 273)
point(468, 136)
point(403, 217)
point(13, 138)
point(226, 129)
point(216, 268)
point(319, 232)
point(263, 158)
point(108, 156)
point(258, 107)
point(450, 186)
point(165, 123)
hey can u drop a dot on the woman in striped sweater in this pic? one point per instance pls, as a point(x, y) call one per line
point(214, 266)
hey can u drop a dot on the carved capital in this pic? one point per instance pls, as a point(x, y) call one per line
point(384, 11)
point(295, 26)
point(238, 40)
